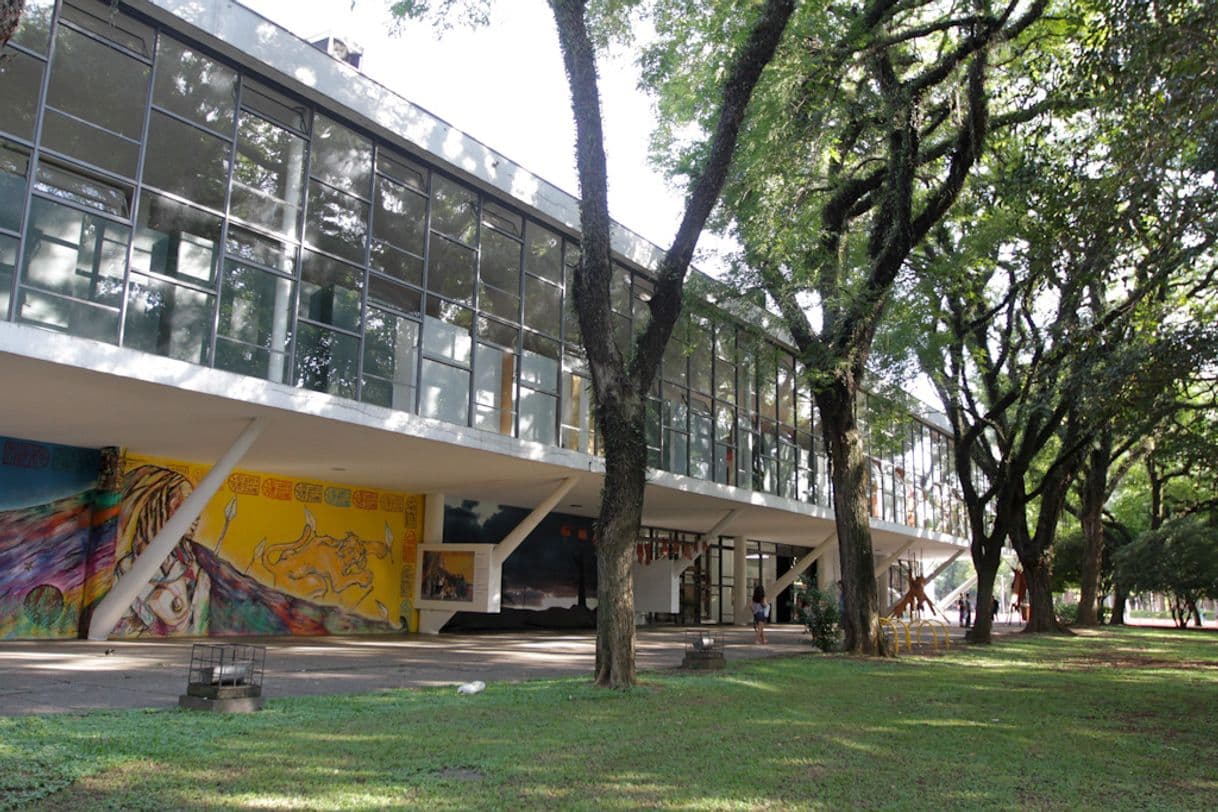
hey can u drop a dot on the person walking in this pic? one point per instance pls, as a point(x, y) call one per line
point(761, 613)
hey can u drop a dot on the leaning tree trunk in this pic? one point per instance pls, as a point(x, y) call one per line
point(621, 511)
point(848, 471)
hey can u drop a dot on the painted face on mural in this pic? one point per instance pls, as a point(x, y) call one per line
point(175, 602)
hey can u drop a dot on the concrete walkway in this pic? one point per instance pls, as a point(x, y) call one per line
point(64, 676)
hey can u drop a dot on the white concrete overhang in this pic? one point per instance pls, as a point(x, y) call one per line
point(79, 392)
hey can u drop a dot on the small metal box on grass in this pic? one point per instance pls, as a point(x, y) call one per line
point(703, 650)
point(224, 677)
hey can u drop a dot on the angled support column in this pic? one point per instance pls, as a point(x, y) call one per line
point(800, 566)
point(118, 600)
point(892, 559)
point(710, 536)
point(529, 523)
point(935, 574)
point(947, 599)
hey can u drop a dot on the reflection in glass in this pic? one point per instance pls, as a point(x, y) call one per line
point(390, 359)
point(8, 260)
point(538, 416)
point(543, 253)
point(75, 254)
point(19, 86)
point(174, 239)
point(444, 393)
point(330, 291)
point(337, 223)
point(400, 218)
point(450, 270)
point(186, 161)
point(454, 210)
point(542, 306)
point(341, 158)
point(14, 168)
point(448, 336)
point(167, 319)
point(68, 315)
point(494, 389)
point(98, 84)
point(195, 87)
point(87, 143)
point(86, 190)
point(255, 318)
point(326, 361)
point(35, 29)
point(268, 176)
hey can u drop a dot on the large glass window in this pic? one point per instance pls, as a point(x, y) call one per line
point(268, 175)
point(399, 230)
point(195, 87)
point(495, 378)
point(176, 240)
point(168, 319)
point(450, 270)
point(8, 260)
point(330, 292)
point(255, 322)
point(341, 157)
point(96, 103)
point(75, 261)
point(499, 293)
point(326, 360)
point(19, 87)
point(186, 161)
point(444, 391)
point(14, 169)
point(337, 222)
point(391, 343)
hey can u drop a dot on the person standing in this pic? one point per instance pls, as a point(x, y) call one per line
point(761, 613)
point(960, 604)
point(968, 609)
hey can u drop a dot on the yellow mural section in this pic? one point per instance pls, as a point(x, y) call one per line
point(323, 542)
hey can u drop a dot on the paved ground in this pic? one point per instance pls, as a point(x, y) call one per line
point(77, 675)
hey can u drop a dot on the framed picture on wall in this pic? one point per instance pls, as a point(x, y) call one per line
point(457, 576)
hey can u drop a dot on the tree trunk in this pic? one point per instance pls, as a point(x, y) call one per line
point(1119, 596)
point(1094, 493)
point(848, 471)
point(622, 427)
point(986, 566)
point(1041, 617)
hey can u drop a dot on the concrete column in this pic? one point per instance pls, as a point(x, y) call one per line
point(432, 620)
point(111, 608)
point(740, 587)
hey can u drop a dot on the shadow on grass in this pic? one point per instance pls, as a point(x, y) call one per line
point(1026, 722)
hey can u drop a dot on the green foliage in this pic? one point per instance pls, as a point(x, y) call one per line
point(1180, 560)
point(821, 616)
point(1067, 612)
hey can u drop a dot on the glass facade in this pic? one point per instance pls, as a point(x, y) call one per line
point(158, 197)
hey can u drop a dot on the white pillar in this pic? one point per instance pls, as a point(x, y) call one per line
point(800, 566)
point(432, 620)
point(111, 608)
point(740, 587)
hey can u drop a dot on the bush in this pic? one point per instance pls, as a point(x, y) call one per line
point(1066, 612)
point(821, 617)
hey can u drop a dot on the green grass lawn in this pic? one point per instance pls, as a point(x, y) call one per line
point(1104, 720)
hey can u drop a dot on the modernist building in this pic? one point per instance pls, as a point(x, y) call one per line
point(210, 230)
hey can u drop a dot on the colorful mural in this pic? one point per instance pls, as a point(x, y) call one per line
point(58, 514)
point(268, 555)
